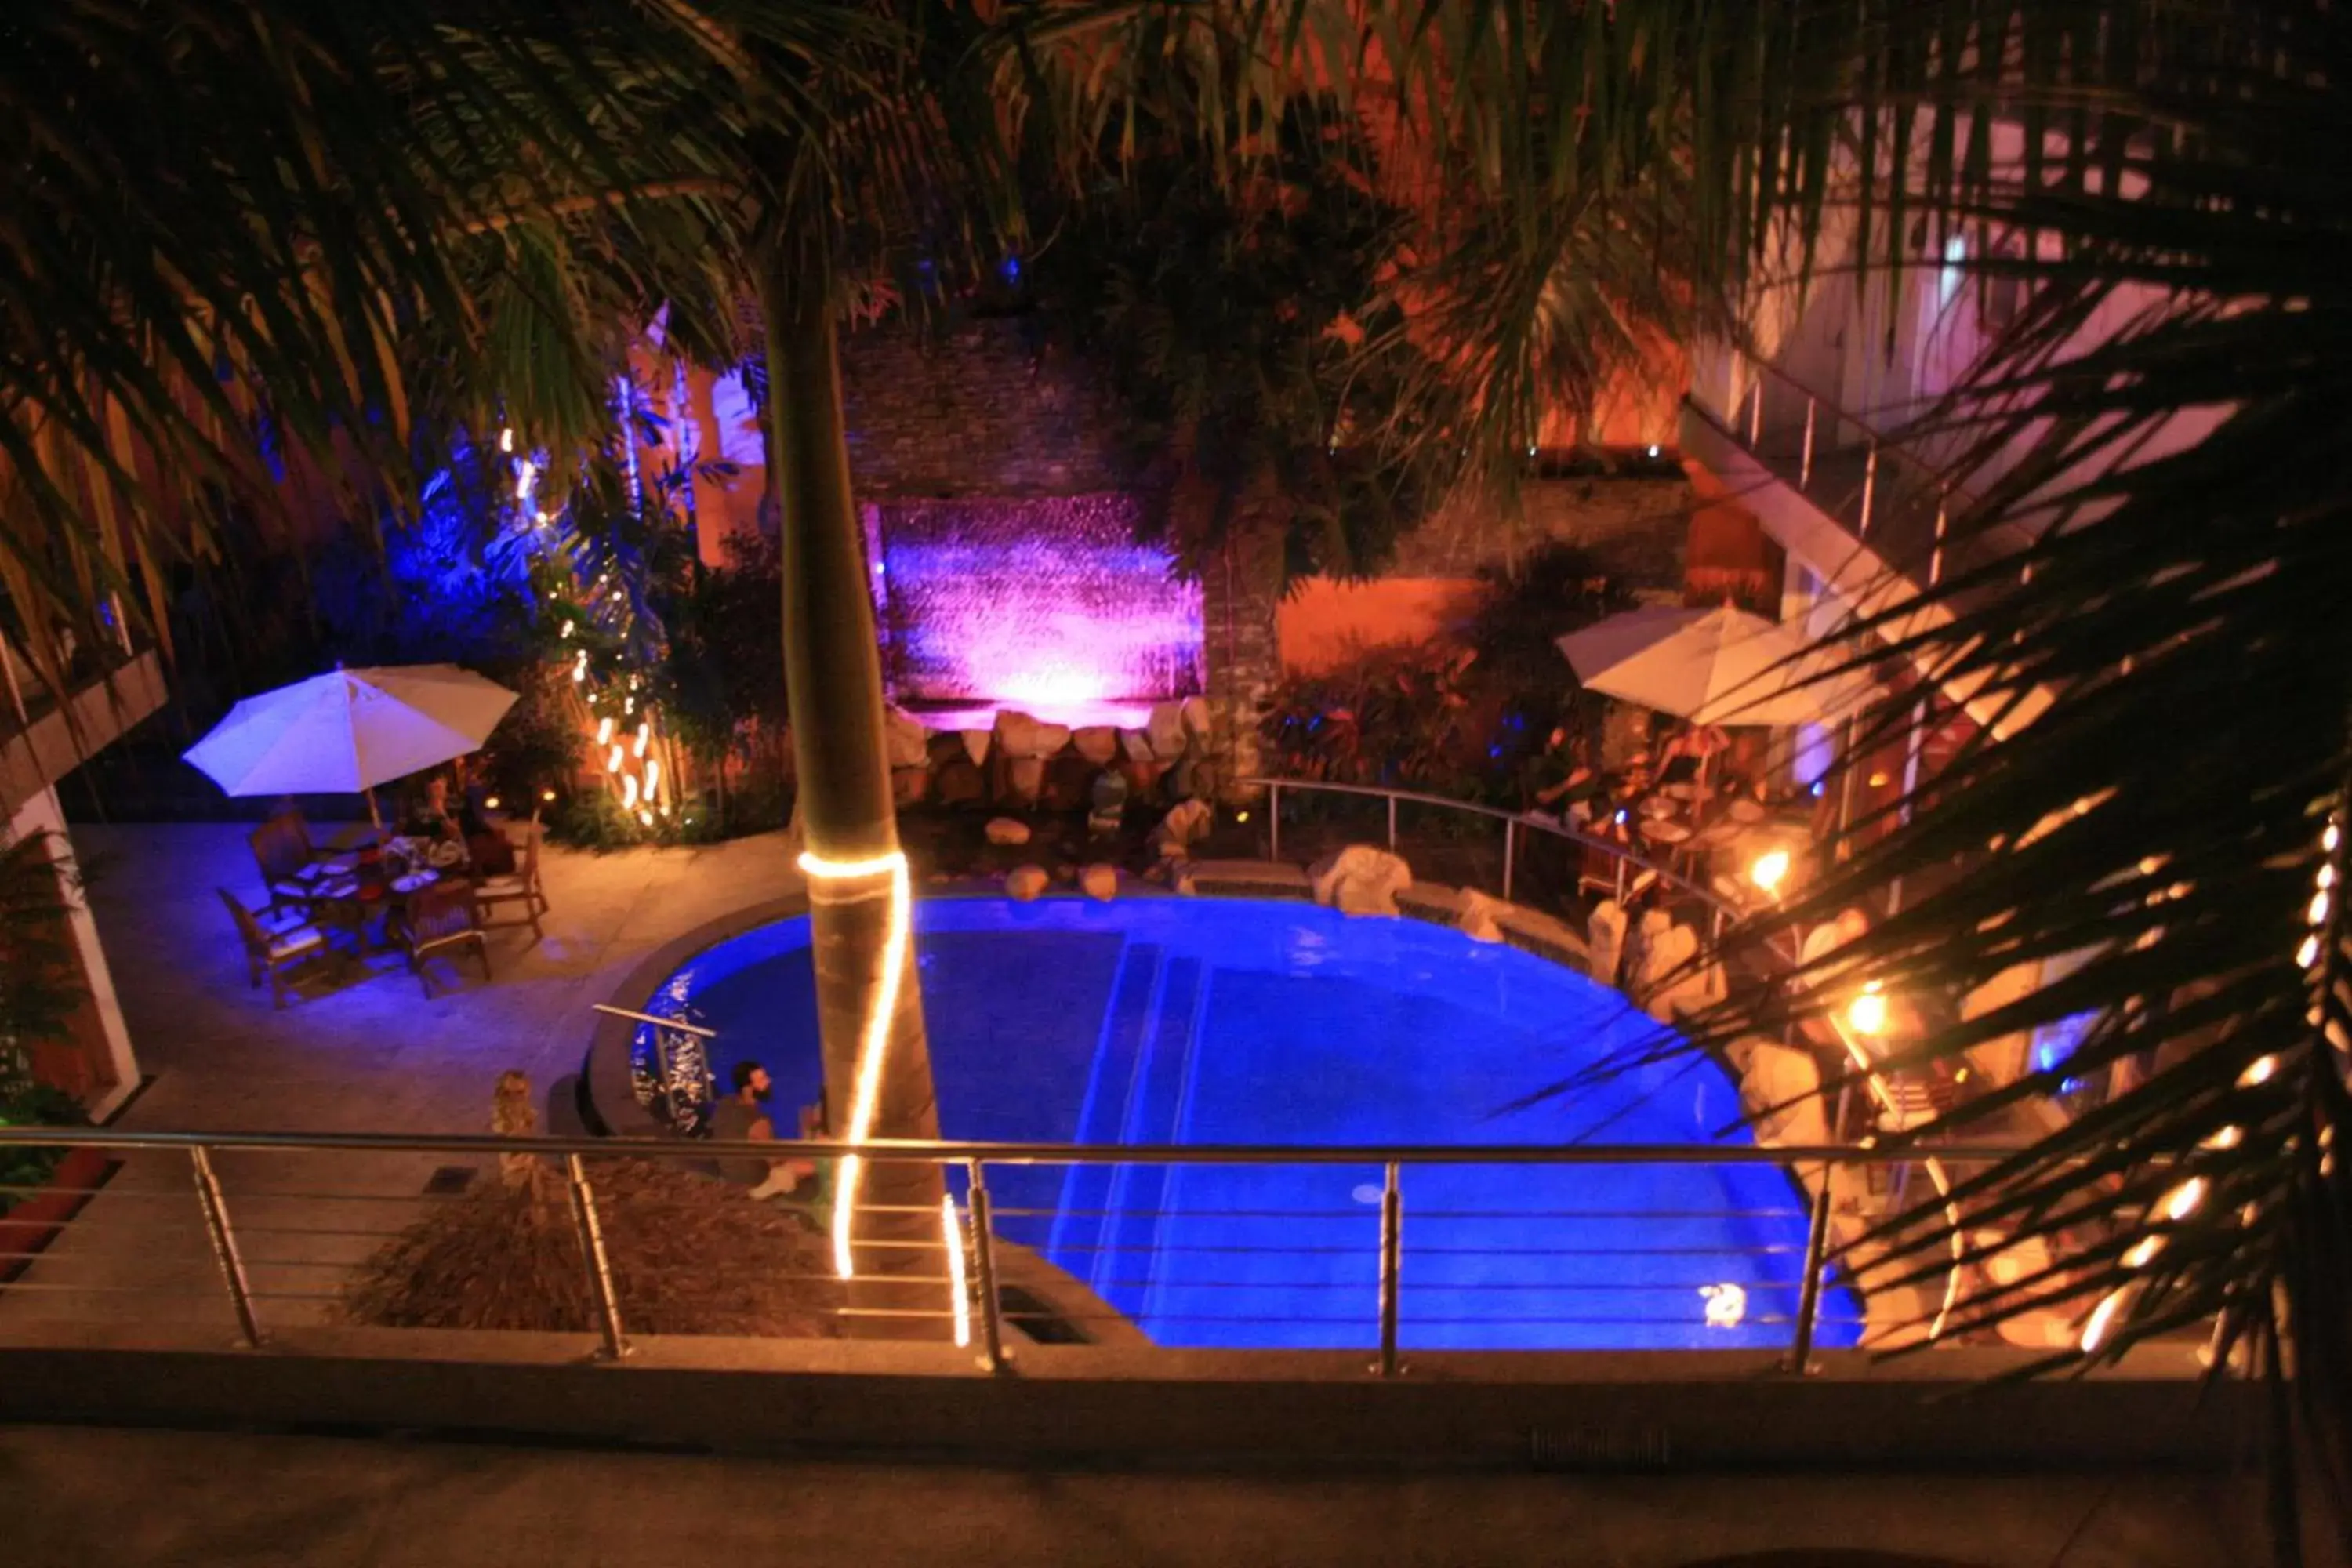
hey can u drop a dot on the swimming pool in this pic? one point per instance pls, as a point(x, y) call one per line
point(1163, 1020)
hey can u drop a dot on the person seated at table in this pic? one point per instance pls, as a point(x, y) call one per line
point(1558, 776)
point(743, 1117)
point(1699, 743)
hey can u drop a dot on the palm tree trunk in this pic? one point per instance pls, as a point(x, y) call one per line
point(833, 678)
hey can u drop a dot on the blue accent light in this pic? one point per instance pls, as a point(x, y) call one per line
point(1012, 269)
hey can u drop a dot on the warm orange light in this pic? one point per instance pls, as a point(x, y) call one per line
point(1867, 1013)
point(1771, 869)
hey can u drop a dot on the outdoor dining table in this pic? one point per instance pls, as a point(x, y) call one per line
point(356, 892)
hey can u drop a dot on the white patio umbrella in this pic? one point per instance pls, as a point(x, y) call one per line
point(1722, 666)
point(346, 731)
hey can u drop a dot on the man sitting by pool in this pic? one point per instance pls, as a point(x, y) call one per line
point(743, 1115)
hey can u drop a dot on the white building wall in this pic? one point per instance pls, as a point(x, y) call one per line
point(44, 814)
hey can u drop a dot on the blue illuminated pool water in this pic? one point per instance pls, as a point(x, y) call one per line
point(1224, 1021)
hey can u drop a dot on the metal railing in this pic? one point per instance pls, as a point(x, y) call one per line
point(1628, 865)
point(1502, 1247)
point(1776, 957)
point(1877, 486)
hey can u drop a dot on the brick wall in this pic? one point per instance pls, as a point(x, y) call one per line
point(1637, 527)
point(975, 411)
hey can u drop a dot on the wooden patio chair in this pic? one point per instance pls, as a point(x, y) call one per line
point(442, 916)
point(520, 886)
point(283, 851)
point(275, 943)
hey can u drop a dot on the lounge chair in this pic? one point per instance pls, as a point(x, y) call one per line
point(442, 916)
point(521, 886)
point(274, 942)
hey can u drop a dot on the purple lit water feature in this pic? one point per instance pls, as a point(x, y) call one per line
point(1044, 605)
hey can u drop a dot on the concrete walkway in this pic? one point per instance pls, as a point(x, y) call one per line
point(230, 1499)
point(363, 1050)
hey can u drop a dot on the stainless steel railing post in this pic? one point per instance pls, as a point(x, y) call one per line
point(600, 1266)
point(1274, 822)
point(1805, 462)
point(1809, 1294)
point(1391, 1260)
point(232, 1267)
point(1510, 854)
point(1869, 488)
point(1393, 824)
point(983, 1260)
point(1936, 557)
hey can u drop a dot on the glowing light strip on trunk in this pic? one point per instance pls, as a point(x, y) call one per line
point(875, 1041)
point(959, 1297)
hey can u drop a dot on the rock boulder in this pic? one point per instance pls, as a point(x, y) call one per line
point(1005, 830)
point(1026, 882)
point(908, 742)
point(1360, 881)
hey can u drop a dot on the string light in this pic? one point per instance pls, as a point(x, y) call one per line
point(526, 472)
point(505, 439)
point(644, 733)
point(604, 730)
point(875, 1039)
point(653, 774)
point(613, 762)
point(2258, 1072)
point(629, 793)
point(1771, 869)
point(645, 818)
point(2143, 1252)
point(959, 1297)
point(2182, 1201)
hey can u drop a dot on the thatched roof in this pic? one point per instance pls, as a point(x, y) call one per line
point(689, 1256)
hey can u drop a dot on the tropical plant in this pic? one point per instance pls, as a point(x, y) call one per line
point(2150, 808)
point(38, 994)
point(1236, 321)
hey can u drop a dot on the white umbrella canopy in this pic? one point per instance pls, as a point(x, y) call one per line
point(346, 731)
point(1722, 666)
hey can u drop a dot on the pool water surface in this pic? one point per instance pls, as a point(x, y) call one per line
point(1163, 1020)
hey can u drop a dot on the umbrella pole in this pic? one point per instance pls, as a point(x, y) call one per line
point(375, 818)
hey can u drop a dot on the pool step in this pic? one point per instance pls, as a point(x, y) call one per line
point(1155, 1110)
point(1127, 1027)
